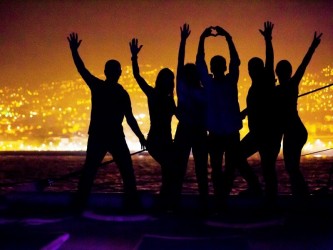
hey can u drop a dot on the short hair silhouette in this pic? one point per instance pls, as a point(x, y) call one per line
point(256, 68)
point(192, 76)
point(218, 64)
point(165, 82)
point(112, 70)
point(283, 71)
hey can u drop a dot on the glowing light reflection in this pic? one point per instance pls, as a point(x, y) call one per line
point(61, 123)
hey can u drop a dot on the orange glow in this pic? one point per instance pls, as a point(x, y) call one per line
point(45, 105)
point(55, 116)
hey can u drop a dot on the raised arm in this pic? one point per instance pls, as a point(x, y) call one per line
point(135, 49)
point(200, 59)
point(184, 34)
point(74, 44)
point(132, 122)
point(234, 58)
point(269, 64)
point(307, 58)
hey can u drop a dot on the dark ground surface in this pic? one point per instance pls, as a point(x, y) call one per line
point(41, 221)
point(19, 170)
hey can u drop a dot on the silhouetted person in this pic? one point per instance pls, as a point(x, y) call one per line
point(223, 116)
point(191, 130)
point(162, 107)
point(294, 132)
point(110, 103)
point(264, 134)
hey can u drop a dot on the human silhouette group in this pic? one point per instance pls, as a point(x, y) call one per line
point(209, 123)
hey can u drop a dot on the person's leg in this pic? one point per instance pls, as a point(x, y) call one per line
point(163, 153)
point(233, 156)
point(182, 149)
point(293, 143)
point(216, 151)
point(200, 155)
point(122, 157)
point(96, 151)
point(155, 149)
point(170, 193)
point(248, 147)
point(268, 158)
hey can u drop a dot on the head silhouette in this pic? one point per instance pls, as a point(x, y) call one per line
point(283, 71)
point(256, 68)
point(165, 82)
point(191, 75)
point(112, 70)
point(218, 65)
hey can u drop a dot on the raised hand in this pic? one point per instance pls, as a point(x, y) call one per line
point(74, 42)
point(220, 31)
point(316, 40)
point(135, 48)
point(185, 31)
point(268, 28)
point(208, 32)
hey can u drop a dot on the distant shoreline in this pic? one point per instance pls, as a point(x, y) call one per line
point(30, 167)
point(28, 152)
point(51, 153)
point(83, 153)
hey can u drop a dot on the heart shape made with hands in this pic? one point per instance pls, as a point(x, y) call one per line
point(213, 31)
point(217, 31)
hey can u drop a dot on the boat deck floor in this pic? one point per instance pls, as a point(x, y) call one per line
point(41, 221)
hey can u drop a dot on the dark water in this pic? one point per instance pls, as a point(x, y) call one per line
point(20, 171)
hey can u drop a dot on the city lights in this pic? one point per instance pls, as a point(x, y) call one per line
point(55, 116)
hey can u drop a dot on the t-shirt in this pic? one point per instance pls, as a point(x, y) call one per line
point(223, 112)
point(191, 108)
point(109, 103)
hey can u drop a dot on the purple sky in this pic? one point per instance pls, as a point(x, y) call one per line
point(34, 48)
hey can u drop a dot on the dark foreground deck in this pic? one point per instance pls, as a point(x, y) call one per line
point(41, 221)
